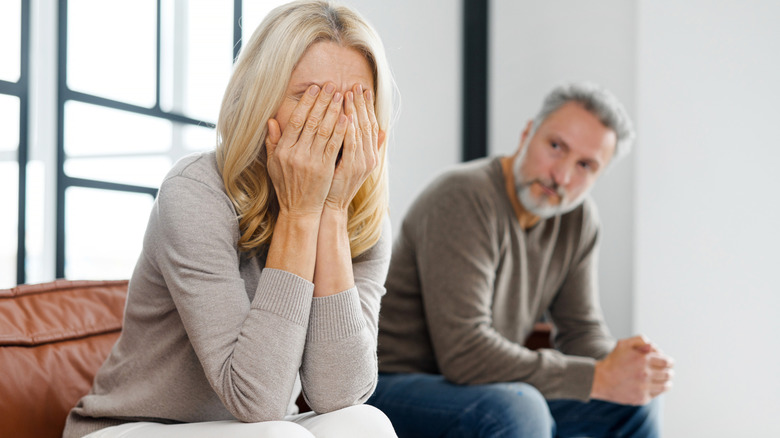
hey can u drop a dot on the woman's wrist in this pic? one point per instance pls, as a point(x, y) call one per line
point(294, 244)
point(301, 218)
point(333, 212)
point(334, 261)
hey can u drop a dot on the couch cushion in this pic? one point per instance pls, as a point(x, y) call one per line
point(53, 338)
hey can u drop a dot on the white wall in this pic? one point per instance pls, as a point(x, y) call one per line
point(533, 47)
point(707, 233)
point(423, 43)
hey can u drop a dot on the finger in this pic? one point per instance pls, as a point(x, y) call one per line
point(662, 376)
point(337, 139)
point(364, 124)
point(299, 115)
point(273, 136)
point(640, 343)
point(660, 361)
point(659, 388)
point(351, 139)
point(349, 103)
point(328, 124)
point(316, 115)
point(375, 131)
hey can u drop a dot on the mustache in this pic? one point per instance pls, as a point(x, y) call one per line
point(552, 185)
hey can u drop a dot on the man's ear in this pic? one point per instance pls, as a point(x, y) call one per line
point(526, 133)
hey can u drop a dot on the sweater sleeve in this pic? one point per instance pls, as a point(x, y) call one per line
point(339, 362)
point(250, 352)
point(580, 328)
point(458, 252)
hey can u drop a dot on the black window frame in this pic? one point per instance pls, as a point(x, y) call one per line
point(21, 89)
point(64, 95)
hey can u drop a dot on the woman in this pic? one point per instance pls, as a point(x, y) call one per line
point(263, 262)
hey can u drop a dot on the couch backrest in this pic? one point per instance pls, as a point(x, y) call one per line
point(53, 338)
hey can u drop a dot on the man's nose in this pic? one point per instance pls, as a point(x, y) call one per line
point(562, 173)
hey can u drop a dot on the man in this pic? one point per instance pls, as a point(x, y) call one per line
point(486, 251)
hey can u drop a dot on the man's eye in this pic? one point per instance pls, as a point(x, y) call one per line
point(585, 165)
point(555, 145)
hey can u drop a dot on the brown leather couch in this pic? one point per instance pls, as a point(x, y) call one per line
point(53, 339)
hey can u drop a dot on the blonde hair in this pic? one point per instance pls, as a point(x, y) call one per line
point(255, 93)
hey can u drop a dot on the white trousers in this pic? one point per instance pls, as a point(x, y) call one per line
point(359, 421)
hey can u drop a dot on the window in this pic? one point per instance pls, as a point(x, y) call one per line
point(13, 139)
point(139, 85)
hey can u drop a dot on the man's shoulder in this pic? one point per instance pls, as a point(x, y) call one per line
point(464, 196)
point(464, 180)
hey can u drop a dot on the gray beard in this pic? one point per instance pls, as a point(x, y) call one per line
point(541, 209)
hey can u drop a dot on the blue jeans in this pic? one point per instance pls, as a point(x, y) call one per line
point(427, 405)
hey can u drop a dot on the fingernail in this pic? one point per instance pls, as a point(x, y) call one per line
point(349, 96)
point(360, 89)
point(314, 90)
point(337, 97)
point(369, 95)
point(342, 119)
point(329, 88)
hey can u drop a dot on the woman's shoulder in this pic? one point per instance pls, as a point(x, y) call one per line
point(200, 167)
point(192, 180)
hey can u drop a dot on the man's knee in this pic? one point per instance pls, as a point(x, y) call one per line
point(509, 409)
point(645, 420)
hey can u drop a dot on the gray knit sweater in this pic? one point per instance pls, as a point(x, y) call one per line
point(210, 335)
point(467, 283)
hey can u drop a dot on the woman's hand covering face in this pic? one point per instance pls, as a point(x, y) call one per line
point(325, 114)
point(302, 159)
point(360, 154)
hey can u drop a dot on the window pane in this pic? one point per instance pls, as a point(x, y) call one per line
point(10, 35)
point(199, 138)
point(9, 122)
point(112, 49)
point(209, 57)
point(104, 231)
point(40, 225)
point(96, 130)
point(197, 56)
point(139, 171)
point(9, 181)
point(253, 13)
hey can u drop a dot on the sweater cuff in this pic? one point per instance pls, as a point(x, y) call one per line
point(578, 377)
point(284, 294)
point(336, 316)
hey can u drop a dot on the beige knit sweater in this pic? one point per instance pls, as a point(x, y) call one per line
point(210, 335)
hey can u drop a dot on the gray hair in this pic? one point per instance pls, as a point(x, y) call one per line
point(598, 101)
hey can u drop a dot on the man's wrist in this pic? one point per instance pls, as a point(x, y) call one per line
point(596, 388)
